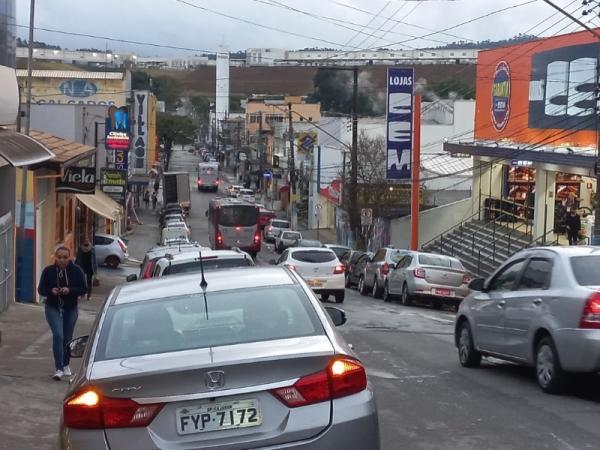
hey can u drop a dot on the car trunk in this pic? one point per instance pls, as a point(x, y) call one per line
point(237, 236)
point(312, 270)
point(180, 381)
point(444, 276)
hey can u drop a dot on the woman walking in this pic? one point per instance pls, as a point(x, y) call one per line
point(61, 284)
point(86, 260)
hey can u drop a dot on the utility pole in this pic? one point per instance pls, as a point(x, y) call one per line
point(353, 200)
point(292, 169)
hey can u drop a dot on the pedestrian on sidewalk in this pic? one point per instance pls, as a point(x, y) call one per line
point(147, 199)
point(573, 226)
point(154, 199)
point(61, 283)
point(86, 260)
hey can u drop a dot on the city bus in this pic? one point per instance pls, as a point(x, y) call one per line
point(234, 222)
point(208, 176)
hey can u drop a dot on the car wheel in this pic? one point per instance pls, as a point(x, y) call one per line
point(376, 289)
point(112, 262)
point(406, 300)
point(467, 355)
point(437, 304)
point(387, 297)
point(362, 287)
point(550, 376)
point(324, 297)
point(339, 297)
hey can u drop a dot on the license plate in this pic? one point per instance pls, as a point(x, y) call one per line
point(315, 283)
point(218, 416)
point(444, 292)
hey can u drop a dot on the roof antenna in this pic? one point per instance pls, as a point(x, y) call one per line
point(203, 283)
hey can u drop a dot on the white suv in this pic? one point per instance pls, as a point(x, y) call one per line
point(211, 259)
point(319, 267)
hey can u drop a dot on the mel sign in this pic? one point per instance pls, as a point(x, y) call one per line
point(399, 122)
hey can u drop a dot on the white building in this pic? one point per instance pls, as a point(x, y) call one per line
point(116, 59)
point(265, 56)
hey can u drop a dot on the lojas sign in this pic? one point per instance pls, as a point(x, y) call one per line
point(78, 180)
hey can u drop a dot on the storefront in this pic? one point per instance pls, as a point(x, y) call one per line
point(535, 138)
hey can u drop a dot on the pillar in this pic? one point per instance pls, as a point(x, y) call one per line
point(487, 181)
point(543, 215)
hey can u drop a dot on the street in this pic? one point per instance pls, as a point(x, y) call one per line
point(426, 399)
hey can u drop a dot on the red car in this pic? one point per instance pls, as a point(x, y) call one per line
point(264, 216)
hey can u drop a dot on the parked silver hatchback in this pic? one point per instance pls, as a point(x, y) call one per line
point(541, 308)
point(254, 361)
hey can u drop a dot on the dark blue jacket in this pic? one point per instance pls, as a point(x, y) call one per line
point(74, 279)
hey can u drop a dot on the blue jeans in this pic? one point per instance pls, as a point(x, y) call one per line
point(62, 325)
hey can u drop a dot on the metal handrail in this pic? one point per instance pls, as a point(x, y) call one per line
point(452, 228)
point(534, 242)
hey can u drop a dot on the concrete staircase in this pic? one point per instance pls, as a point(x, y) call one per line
point(481, 246)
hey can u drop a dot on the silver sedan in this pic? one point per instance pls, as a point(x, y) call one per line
point(541, 308)
point(254, 361)
point(436, 278)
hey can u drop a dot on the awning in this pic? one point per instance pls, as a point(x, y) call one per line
point(21, 150)
point(101, 204)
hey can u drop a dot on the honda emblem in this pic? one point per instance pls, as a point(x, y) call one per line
point(214, 380)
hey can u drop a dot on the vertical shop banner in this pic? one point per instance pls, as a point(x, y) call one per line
point(121, 160)
point(140, 131)
point(399, 122)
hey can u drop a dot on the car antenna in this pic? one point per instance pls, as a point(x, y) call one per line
point(203, 284)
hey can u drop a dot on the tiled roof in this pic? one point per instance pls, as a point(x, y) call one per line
point(63, 149)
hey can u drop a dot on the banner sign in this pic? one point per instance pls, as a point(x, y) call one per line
point(116, 129)
point(121, 160)
point(399, 116)
point(140, 132)
point(114, 184)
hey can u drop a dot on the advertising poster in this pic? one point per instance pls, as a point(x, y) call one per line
point(399, 123)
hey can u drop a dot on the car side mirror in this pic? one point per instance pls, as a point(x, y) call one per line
point(478, 284)
point(273, 262)
point(77, 346)
point(132, 277)
point(338, 316)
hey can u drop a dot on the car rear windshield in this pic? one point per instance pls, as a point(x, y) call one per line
point(397, 255)
point(440, 261)
point(586, 269)
point(183, 323)
point(314, 256)
point(209, 264)
point(238, 215)
point(280, 224)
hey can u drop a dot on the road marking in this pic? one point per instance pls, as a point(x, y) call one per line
point(32, 349)
point(437, 319)
point(563, 442)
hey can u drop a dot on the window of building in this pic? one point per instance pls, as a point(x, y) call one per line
point(420, 54)
point(464, 54)
point(451, 53)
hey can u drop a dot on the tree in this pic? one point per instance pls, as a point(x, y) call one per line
point(165, 88)
point(371, 159)
point(444, 89)
point(333, 88)
point(175, 129)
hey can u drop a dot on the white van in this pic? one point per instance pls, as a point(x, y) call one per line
point(208, 176)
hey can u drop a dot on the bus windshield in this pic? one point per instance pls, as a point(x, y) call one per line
point(238, 215)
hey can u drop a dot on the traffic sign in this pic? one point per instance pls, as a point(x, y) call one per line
point(366, 216)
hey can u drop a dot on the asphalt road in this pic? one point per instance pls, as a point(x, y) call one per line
point(426, 399)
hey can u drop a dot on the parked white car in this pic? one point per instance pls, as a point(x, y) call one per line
point(110, 250)
point(189, 262)
point(286, 239)
point(175, 232)
point(319, 267)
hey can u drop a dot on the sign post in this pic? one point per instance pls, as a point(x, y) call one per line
point(416, 175)
point(318, 209)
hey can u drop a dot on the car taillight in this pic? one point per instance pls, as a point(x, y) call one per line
point(219, 238)
point(466, 278)
point(270, 229)
point(291, 267)
point(148, 271)
point(200, 181)
point(590, 317)
point(419, 273)
point(218, 181)
point(257, 238)
point(122, 245)
point(339, 269)
point(385, 269)
point(89, 410)
point(343, 376)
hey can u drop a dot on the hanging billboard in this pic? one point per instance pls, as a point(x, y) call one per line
point(541, 92)
point(399, 113)
point(140, 131)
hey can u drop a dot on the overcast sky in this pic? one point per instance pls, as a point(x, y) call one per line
point(315, 23)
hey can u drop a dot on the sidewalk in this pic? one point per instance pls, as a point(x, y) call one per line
point(31, 400)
